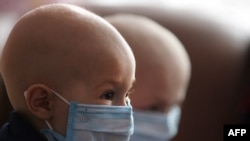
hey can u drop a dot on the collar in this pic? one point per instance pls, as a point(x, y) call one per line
point(21, 129)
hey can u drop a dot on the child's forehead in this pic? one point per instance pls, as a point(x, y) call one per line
point(112, 70)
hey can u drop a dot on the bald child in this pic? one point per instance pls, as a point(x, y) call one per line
point(162, 76)
point(68, 74)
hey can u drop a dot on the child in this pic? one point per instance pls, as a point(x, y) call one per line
point(162, 75)
point(68, 74)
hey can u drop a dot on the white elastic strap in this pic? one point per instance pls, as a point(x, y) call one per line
point(63, 99)
point(59, 96)
point(48, 124)
point(25, 94)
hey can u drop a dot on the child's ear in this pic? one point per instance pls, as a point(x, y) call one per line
point(39, 100)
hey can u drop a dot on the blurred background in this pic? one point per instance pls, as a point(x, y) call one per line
point(233, 12)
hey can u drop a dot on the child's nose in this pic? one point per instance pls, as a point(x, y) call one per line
point(120, 102)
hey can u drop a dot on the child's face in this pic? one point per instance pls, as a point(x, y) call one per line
point(106, 79)
point(159, 91)
point(107, 84)
point(110, 85)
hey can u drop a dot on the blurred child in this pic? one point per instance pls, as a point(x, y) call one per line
point(162, 76)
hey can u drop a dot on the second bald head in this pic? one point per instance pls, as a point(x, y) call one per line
point(162, 76)
point(163, 66)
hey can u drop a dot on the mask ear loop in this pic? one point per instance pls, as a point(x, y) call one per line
point(25, 94)
point(63, 99)
point(48, 124)
point(59, 96)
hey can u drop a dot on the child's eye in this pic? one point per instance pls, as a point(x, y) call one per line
point(109, 95)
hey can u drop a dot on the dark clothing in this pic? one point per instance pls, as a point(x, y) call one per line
point(245, 102)
point(19, 130)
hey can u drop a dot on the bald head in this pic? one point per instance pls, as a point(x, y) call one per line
point(163, 67)
point(58, 45)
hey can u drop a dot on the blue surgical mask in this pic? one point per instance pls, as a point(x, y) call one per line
point(94, 123)
point(152, 126)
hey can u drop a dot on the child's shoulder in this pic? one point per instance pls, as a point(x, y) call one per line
point(4, 133)
point(18, 130)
